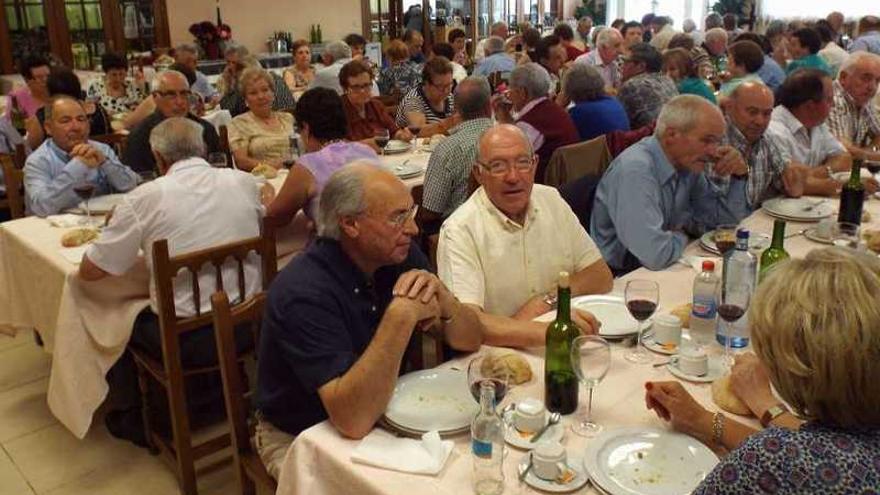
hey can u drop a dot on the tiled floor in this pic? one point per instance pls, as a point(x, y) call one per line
point(39, 456)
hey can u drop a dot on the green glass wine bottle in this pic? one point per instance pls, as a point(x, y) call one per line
point(775, 253)
point(560, 382)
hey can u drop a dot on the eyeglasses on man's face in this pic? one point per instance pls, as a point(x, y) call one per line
point(499, 167)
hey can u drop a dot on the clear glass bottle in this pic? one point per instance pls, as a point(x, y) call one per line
point(487, 444)
point(740, 268)
point(703, 312)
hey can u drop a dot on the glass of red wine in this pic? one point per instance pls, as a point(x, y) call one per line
point(85, 190)
point(382, 137)
point(641, 298)
point(481, 369)
point(732, 301)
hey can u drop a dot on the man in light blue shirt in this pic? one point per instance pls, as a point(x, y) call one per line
point(654, 195)
point(496, 59)
point(187, 54)
point(869, 35)
point(68, 158)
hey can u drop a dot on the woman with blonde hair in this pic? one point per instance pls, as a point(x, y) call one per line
point(815, 327)
point(260, 135)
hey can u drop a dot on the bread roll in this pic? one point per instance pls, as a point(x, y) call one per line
point(683, 312)
point(78, 237)
point(724, 397)
point(872, 237)
point(264, 170)
point(512, 365)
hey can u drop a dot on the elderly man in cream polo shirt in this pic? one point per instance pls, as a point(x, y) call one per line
point(502, 250)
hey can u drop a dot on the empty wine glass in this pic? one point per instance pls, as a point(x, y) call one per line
point(382, 137)
point(485, 369)
point(732, 300)
point(85, 190)
point(845, 234)
point(217, 159)
point(590, 359)
point(641, 298)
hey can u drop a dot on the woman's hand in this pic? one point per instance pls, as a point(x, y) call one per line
point(671, 402)
point(749, 381)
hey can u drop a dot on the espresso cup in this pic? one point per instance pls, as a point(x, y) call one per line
point(693, 362)
point(667, 330)
point(548, 460)
point(528, 417)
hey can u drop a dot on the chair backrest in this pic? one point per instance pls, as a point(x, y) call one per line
point(20, 156)
point(574, 161)
point(13, 177)
point(166, 268)
point(580, 195)
point(114, 140)
point(223, 132)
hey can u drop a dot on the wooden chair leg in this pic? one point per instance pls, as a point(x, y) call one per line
point(248, 487)
point(146, 408)
point(181, 434)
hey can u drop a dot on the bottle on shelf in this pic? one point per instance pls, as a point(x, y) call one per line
point(320, 36)
point(852, 196)
point(313, 36)
point(560, 381)
point(740, 268)
point(487, 444)
point(776, 252)
point(704, 312)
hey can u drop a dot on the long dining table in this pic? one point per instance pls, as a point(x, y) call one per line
point(86, 325)
point(319, 460)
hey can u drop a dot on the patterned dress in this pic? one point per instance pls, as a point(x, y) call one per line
point(815, 460)
point(116, 104)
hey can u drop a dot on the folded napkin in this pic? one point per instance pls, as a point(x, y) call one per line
point(384, 450)
point(65, 220)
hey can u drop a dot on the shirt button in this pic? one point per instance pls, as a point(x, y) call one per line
point(357, 291)
point(374, 309)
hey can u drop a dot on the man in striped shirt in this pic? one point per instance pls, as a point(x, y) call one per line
point(853, 120)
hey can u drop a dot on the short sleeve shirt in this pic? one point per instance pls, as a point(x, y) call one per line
point(811, 147)
point(321, 315)
point(488, 260)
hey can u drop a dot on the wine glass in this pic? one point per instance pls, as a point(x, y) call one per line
point(732, 300)
point(641, 298)
point(845, 234)
point(724, 238)
point(480, 370)
point(382, 137)
point(873, 165)
point(85, 190)
point(217, 159)
point(590, 358)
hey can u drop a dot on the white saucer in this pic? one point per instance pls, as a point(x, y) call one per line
point(522, 440)
point(814, 236)
point(652, 345)
point(575, 464)
point(716, 371)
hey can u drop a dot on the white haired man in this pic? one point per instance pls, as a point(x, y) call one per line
point(340, 316)
point(498, 29)
point(854, 120)
point(336, 54)
point(496, 60)
point(187, 54)
point(609, 43)
point(654, 194)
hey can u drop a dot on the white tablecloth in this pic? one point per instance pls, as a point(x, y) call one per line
point(319, 459)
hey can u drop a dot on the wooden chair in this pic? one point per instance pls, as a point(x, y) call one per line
point(417, 356)
point(170, 373)
point(13, 177)
point(248, 467)
point(223, 132)
point(115, 140)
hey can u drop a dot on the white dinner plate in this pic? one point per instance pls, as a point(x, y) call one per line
point(813, 235)
point(844, 176)
point(407, 169)
point(101, 204)
point(794, 209)
point(397, 146)
point(652, 345)
point(757, 242)
point(611, 311)
point(716, 371)
point(647, 461)
point(543, 485)
point(522, 440)
point(437, 399)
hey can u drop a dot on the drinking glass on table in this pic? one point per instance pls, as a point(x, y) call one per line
point(382, 137)
point(480, 370)
point(641, 298)
point(85, 190)
point(845, 234)
point(724, 238)
point(590, 359)
point(873, 165)
point(217, 159)
point(732, 301)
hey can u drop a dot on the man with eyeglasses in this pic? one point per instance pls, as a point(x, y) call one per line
point(502, 250)
point(171, 92)
point(341, 315)
point(432, 100)
point(655, 194)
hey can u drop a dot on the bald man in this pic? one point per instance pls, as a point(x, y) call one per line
point(502, 250)
point(770, 169)
point(340, 316)
point(655, 195)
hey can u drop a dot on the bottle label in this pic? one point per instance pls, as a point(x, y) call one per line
point(481, 449)
point(704, 308)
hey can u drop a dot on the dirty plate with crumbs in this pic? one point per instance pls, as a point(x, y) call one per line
point(432, 400)
point(647, 461)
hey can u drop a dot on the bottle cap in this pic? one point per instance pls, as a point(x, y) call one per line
point(563, 280)
point(742, 234)
point(708, 266)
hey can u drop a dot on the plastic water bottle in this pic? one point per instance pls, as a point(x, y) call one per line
point(740, 268)
point(487, 444)
point(703, 314)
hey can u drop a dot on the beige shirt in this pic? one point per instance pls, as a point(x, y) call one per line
point(261, 142)
point(489, 260)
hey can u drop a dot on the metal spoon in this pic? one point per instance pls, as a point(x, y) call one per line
point(795, 234)
point(554, 418)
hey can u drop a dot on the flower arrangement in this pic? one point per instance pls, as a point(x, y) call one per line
point(210, 36)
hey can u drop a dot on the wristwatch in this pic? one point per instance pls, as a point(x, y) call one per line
point(772, 413)
point(550, 299)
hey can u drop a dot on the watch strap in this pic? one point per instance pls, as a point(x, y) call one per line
point(772, 413)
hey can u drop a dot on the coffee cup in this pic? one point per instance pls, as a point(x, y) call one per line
point(528, 417)
point(667, 330)
point(548, 460)
point(693, 362)
point(823, 228)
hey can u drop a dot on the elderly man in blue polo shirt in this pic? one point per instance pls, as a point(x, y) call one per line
point(654, 194)
point(340, 316)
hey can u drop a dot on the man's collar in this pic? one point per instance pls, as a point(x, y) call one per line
point(788, 119)
point(663, 167)
point(736, 136)
point(477, 123)
point(529, 106)
point(186, 164)
point(839, 89)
